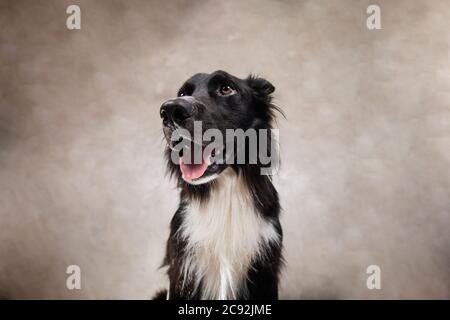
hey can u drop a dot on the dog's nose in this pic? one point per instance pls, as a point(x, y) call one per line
point(176, 110)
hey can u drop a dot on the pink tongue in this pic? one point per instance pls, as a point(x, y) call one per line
point(192, 171)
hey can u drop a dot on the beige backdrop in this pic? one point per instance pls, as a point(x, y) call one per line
point(366, 144)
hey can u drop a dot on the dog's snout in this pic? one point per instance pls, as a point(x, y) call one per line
point(176, 110)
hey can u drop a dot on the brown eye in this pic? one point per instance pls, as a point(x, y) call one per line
point(226, 90)
point(181, 94)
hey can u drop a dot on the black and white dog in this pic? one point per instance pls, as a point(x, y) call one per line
point(225, 240)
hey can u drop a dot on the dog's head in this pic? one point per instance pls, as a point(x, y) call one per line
point(209, 105)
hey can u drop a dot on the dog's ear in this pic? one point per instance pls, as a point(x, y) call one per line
point(261, 87)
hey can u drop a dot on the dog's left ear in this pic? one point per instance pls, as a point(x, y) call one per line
point(261, 87)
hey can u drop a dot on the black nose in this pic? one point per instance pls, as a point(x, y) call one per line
point(176, 110)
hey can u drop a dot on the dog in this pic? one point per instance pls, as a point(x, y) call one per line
point(225, 238)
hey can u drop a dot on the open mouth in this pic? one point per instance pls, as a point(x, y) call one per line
point(197, 160)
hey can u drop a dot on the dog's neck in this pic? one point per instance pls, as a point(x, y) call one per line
point(224, 232)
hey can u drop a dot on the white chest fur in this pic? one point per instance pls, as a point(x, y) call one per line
point(224, 234)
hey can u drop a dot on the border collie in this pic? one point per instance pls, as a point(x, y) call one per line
point(225, 238)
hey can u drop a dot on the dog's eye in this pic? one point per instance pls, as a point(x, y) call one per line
point(226, 90)
point(181, 94)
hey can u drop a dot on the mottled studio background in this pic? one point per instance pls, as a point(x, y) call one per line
point(366, 144)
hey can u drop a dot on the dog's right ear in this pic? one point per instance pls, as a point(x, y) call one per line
point(261, 87)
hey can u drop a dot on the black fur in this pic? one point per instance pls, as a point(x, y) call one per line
point(250, 107)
